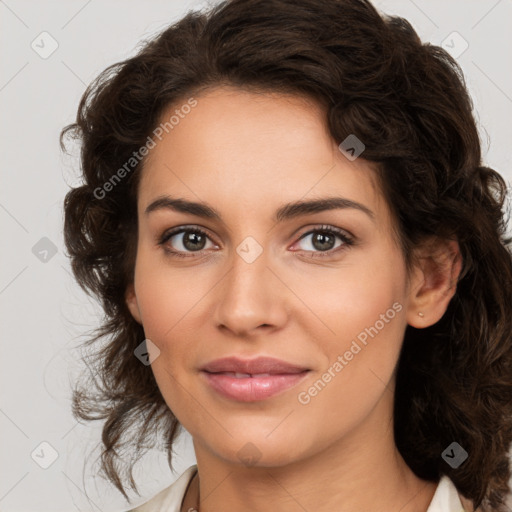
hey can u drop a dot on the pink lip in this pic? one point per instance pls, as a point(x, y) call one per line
point(251, 389)
point(282, 376)
point(257, 365)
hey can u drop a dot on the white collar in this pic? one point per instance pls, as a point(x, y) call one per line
point(446, 498)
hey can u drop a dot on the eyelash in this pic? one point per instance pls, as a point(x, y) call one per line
point(343, 235)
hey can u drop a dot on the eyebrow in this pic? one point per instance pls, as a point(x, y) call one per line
point(285, 212)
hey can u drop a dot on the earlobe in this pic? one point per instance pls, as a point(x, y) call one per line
point(434, 282)
point(131, 302)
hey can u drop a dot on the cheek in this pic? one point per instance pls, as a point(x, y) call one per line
point(164, 295)
point(353, 297)
point(162, 307)
point(364, 310)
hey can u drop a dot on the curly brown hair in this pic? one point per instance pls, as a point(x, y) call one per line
point(408, 102)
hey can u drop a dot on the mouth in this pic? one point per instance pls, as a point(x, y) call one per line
point(260, 366)
point(271, 378)
point(251, 380)
point(247, 387)
point(238, 375)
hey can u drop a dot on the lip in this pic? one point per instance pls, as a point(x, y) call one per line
point(253, 366)
point(258, 379)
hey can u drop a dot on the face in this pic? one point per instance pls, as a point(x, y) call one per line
point(322, 289)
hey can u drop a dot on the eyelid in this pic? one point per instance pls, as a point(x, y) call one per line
point(169, 233)
point(327, 227)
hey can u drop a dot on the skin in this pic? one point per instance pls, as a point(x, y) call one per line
point(246, 154)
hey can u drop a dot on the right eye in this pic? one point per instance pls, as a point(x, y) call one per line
point(187, 239)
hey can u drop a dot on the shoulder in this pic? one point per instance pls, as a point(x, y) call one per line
point(170, 498)
point(447, 499)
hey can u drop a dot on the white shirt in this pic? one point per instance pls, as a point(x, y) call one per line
point(445, 499)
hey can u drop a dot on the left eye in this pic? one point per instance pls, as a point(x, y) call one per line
point(321, 241)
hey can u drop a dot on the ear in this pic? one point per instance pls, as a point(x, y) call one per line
point(438, 263)
point(131, 302)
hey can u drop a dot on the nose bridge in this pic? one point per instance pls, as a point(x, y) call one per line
point(248, 297)
point(249, 273)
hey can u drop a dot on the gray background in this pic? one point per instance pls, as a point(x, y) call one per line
point(43, 312)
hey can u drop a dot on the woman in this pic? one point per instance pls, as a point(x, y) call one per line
point(302, 261)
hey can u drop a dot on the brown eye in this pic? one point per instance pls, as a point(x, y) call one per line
point(181, 241)
point(324, 240)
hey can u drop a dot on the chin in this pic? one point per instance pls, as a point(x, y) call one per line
point(258, 451)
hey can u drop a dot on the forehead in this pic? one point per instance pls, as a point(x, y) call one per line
point(241, 147)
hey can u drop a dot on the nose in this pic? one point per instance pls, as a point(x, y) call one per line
point(250, 297)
